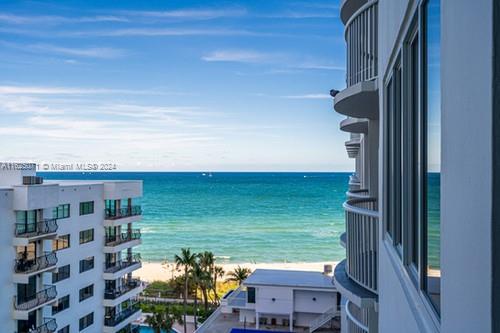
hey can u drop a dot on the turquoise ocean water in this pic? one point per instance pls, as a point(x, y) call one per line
point(241, 217)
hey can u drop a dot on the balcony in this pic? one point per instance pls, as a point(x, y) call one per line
point(357, 194)
point(356, 318)
point(360, 98)
point(124, 240)
point(115, 270)
point(128, 289)
point(25, 305)
point(354, 125)
point(115, 217)
point(49, 326)
point(26, 232)
point(362, 241)
point(354, 183)
point(124, 317)
point(349, 7)
point(28, 267)
point(353, 146)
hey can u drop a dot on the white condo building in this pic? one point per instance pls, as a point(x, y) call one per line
point(67, 254)
point(422, 101)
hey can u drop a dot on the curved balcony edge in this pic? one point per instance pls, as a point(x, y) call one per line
point(343, 240)
point(359, 100)
point(348, 8)
point(351, 290)
point(354, 125)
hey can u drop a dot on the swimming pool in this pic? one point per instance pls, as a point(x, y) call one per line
point(146, 329)
point(249, 330)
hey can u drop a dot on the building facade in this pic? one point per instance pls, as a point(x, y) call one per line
point(67, 254)
point(422, 107)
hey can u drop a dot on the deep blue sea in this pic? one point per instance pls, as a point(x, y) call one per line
point(241, 217)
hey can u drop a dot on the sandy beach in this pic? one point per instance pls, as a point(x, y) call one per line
point(154, 271)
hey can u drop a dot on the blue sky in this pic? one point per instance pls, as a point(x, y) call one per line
point(173, 85)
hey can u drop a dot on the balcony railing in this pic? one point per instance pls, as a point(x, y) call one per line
point(123, 289)
point(41, 297)
point(32, 180)
point(113, 320)
point(124, 237)
point(47, 226)
point(49, 326)
point(362, 241)
point(27, 266)
point(356, 319)
point(361, 38)
point(112, 214)
point(354, 183)
point(113, 267)
point(359, 194)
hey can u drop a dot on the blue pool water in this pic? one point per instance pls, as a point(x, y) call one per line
point(146, 329)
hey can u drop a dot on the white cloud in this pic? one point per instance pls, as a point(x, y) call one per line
point(202, 14)
point(89, 52)
point(46, 90)
point(245, 56)
point(53, 19)
point(308, 96)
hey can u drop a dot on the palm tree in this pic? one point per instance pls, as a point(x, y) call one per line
point(160, 321)
point(206, 261)
point(217, 273)
point(239, 274)
point(185, 261)
point(197, 275)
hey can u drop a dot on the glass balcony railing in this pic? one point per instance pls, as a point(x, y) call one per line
point(47, 226)
point(115, 266)
point(117, 318)
point(127, 286)
point(28, 303)
point(112, 214)
point(28, 266)
point(124, 237)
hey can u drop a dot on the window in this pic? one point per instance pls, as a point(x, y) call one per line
point(61, 242)
point(86, 292)
point(62, 304)
point(65, 329)
point(86, 207)
point(86, 264)
point(432, 153)
point(63, 273)
point(86, 321)
point(86, 236)
point(412, 141)
point(250, 295)
point(61, 211)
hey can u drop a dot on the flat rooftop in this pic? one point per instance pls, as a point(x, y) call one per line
point(288, 278)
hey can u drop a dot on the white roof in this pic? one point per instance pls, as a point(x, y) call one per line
point(287, 278)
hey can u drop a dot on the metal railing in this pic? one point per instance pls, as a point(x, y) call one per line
point(47, 226)
point(357, 319)
point(115, 319)
point(113, 267)
point(362, 241)
point(39, 298)
point(49, 326)
point(324, 318)
point(112, 214)
point(28, 266)
point(127, 286)
point(361, 37)
point(354, 183)
point(359, 194)
point(114, 240)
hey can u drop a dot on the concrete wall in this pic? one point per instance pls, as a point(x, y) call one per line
point(122, 189)
point(7, 256)
point(283, 300)
point(73, 225)
point(466, 70)
point(303, 301)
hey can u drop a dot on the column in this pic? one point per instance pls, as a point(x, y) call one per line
point(291, 322)
point(257, 320)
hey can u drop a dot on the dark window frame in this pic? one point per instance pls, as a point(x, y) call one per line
point(86, 208)
point(86, 264)
point(62, 211)
point(86, 293)
point(63, 303)
point(86, 236)
point(86, 321)
point(63, 273)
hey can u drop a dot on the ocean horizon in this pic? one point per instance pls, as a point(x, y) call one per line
point(242, 217)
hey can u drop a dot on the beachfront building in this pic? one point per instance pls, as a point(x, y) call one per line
point(422, 211)
point(282, 300)
point(66, 252)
